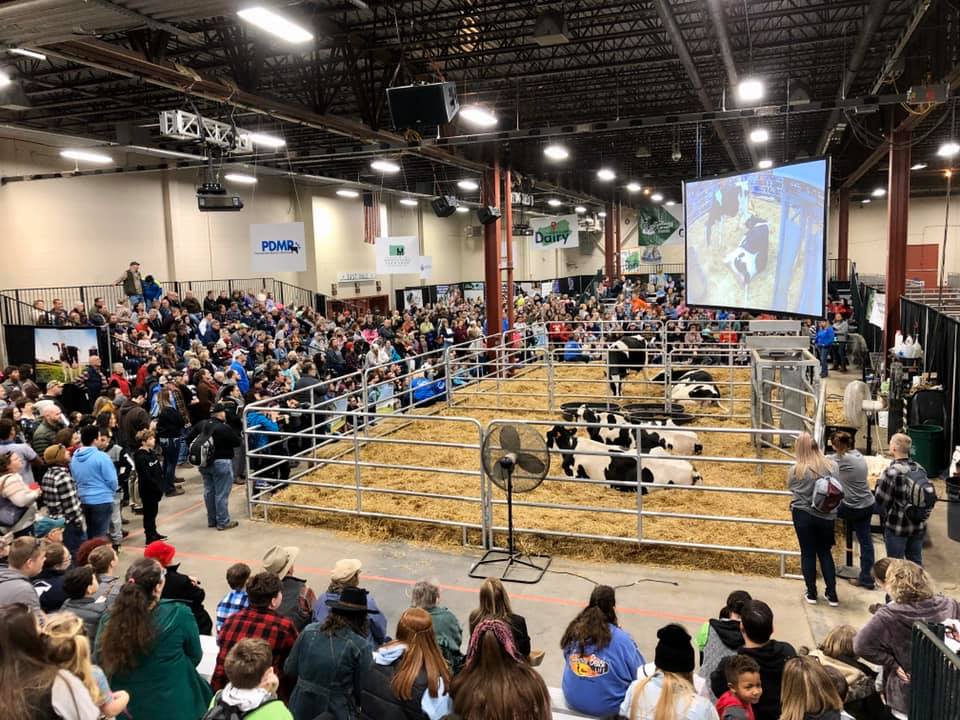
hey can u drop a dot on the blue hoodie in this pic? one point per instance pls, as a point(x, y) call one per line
point(595, 681)
point(95, 474)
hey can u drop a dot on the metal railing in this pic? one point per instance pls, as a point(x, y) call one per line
point(934, 675)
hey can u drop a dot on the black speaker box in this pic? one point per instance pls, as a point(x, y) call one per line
point(442, 207)
point(413, 106)
point(487, 215)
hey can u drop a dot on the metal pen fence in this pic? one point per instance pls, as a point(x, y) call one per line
point(934, 675)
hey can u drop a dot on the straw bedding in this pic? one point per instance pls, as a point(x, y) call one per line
point(599, 496)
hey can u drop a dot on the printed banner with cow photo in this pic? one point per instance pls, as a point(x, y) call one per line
point(277, 247)
point(552, 233)
point(398, 255)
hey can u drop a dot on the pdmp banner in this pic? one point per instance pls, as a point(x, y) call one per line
point(277, 247)
point(398, 255)
point(551, 233)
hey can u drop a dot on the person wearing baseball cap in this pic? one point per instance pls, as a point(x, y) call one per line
point(238, 365)
point(298, 599)
point(328, 659)
point(218, 475)
point(179, 586)
point(346, 574)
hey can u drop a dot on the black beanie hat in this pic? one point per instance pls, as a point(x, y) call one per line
point(674, 651)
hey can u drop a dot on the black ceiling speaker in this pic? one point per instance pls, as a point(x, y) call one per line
point(425, 105)
point(487, 215)
point(444, 206)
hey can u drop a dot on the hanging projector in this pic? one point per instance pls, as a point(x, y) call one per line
point(212, 197)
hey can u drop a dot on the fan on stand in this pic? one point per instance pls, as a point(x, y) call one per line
point(861, 409)
point(516, 459)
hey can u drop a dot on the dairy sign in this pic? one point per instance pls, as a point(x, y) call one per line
point(398, 255)
point(277, 247)
point(552, 233)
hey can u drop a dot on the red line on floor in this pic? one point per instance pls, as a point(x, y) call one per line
point(167, 518)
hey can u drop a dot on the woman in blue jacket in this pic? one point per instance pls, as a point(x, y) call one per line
point(600, 659)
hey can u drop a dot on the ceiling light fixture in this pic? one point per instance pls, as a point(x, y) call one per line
point(602, 214)
point(86, 156)
point(240, 178)
point(476, 115)
point(657, 197)
point(385, 166)
point(633, 187)
point(606, 174)
point(275, 24)
point(765, 164)
point(759, 135)
point(27, 53)
point(750, 90)
point(556, 152)
point(879, 192)
point(580, 210)
point(554, 202)
point(865, 201)
point(468, 185)
point(409, 202)
point(347, 193)
point(948, 149)
point(265, 140)
point(918, 166)
point(4, 79)
point(647, 191)
point(670, 203)
point(462, 209)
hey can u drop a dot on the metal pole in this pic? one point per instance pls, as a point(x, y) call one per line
point(448, 375)
point(637, 433)
point(550, 390)
point(356, 468)
point(365, 398)
point(943, 248)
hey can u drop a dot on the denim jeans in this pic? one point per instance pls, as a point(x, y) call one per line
point(171, 451)
point(98, 519)
point(182, 448)
point(816, 539)
point(134, 300)
point(73, 537)
point(908, 547)
point(824, 351)
point(840, 354)
point(858, 520)
point(217, 482)
point(116, 519)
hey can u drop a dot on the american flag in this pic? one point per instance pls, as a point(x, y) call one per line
point(371, 217)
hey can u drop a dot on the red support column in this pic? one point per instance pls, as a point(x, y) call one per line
point(508, 233)
point(898, 201)
point(492, 297)
point(608, 265)
point(618, 242)
point(843, 235)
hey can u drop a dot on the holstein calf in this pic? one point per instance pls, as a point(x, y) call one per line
point(705, 393)
point(614, 431)
point(626, 354)
point(684, 376)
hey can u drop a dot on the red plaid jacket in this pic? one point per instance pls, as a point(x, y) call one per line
point(252, 622)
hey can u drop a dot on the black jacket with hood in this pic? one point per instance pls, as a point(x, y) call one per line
point(771, 657)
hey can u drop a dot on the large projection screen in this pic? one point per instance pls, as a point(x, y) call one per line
point(757, 241)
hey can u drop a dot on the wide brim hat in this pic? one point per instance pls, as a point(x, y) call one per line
point(345, 569)
point(351, 600)
point(279, 559)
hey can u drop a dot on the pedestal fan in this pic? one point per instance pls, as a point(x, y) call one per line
point(516, 459)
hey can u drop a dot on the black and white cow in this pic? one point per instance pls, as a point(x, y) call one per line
point(749, 259)
point(626, 354)
point(616, 465)
point(731, 200)
point(700, 376)
point(705, 393)
point(615, 431)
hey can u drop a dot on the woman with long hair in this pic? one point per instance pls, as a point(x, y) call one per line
point(14, 489)
point(408, 674)
point(668, 694)
point(497, 683)
point(807, 692)
point(151, 648)
point(887, 639)
point(862, 700)
point(495, 605)
point(599, 659)
point(31, 687)
point(858, 501)
point(814, 528)
point(170, 425)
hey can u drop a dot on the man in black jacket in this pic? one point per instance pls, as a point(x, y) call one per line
point(218, 475)
point(179, 586)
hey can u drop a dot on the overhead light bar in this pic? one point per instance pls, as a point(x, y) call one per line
point(385, 166)
point(27, 53)
point(264, 140)
point(554, 202)
point(4, 79)
point(409, 202)
point(750, 90)
point(657, 197)
point(556, 152)
point(348, 193)
point(165, 153)
point(633, 187)
point(765, 164)
point(240, 178)
point(462, 209)
point(879, 192)
point(86, 156)
point(865, 201)
point(759, 135)
point(606, 174)
point(670, 203)
point(918, 166)
point(602, 214)
point(580, 210)
point(468, 185)
point(275, 24)
point(948, 149)
point(476, 115)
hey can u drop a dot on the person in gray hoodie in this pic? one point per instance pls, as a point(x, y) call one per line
point(858, 502)
point(24, 562)
point(887, 639)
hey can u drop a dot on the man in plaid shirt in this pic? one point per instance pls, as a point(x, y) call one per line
point(60, 496)
point(260, 620)
point(902, 535)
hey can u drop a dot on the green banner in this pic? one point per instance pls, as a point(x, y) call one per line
point(656, 225)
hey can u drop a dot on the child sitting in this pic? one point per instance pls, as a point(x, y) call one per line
point(743, 679)
point(236, 599)
point(252, 687)
point(69, 649)
point(879, 573)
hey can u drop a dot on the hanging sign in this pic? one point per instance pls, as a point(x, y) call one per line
point(397, 255)
point(277, 247)
point(551, 233)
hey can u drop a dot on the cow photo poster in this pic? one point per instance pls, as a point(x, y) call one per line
point(62, 353)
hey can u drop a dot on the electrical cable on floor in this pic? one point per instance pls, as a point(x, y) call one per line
point(615, 587)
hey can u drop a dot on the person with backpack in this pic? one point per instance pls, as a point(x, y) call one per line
point(816, 495)
point(212, 444)
point(905, 497)
point(251, 693)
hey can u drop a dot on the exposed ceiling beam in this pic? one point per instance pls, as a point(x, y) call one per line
point(898, 49)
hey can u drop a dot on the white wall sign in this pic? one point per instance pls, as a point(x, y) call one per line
point(426, 267)
point(398, 255)
point(878, 310)
point(277, 247)
point(550, 233)
point(351, 277)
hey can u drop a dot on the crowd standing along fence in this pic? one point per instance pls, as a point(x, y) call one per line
point(380, 452)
